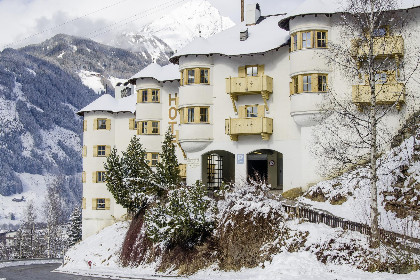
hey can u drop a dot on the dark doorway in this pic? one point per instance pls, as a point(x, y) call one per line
point(257, 167)
point(266, 165)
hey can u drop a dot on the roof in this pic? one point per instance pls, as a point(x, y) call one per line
point(108, 103)
point(168, 72)
point(330, 7)
point(264, 36)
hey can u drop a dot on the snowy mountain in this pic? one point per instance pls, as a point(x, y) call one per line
point(98, 66)
point(183, 24)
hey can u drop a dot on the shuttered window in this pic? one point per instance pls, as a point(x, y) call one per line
point(309, 39)
point(316, 82)
point(148, 127)
point(195, 76)
point(149, 95)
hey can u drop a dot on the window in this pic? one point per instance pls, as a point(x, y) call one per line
point(252, 71)
point(295, 39)
point(295, 85)
point(155, 127)
point(191, 76)
point(251, 111)
point(321, 39)
point(155, 95)
point(204, 76)
point(322, 83)
point(204, 115)
point(101, 150)
point(190, 115)
point(144, 95)
point(135, 125)
point(100, 176)
point(143, 127)
point(100, 203)
point(155, 159)
point(306, 40)
point(307, 85)
point(381, 78)
point(101, 123)
point(380, 32)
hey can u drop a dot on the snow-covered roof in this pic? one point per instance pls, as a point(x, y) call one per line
point(108, 103)
point(168, 72)
point(330, 7)
point(262, 37)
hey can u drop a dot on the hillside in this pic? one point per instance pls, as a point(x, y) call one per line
point(96, 64)
point(40, 134)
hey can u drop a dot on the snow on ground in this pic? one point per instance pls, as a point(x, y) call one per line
point(34, 189)
point(114, 81)
point(355, 185)
point(92, 80)
point(28, 262)
point(103, 250)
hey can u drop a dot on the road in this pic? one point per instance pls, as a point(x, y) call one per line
point(38, 272)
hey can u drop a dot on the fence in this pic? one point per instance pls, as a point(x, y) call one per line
point(317, 216)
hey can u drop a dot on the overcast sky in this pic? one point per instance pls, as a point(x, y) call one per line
point(31, 21)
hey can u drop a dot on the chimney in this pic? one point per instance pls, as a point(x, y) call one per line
point(243, 35)
point(242, 10)
point(253, 13)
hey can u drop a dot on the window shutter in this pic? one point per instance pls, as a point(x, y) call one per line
point(185, 77)
point(83, 203)
point(300, 83)
point(108, 124)
point(197, 75)
point(292, 40)
point(139, 96)
point(312, 39)
point(326, 39)
point(299, 40)
point(93, 203)
point(95, 124)
point(260, 70)
point(131, 124)
point(181, 81)
point(149, 127)
point(84, 151)
point(291, 87)
point(84, 177)
point(107, 150)
point(95, 150)
point(314, 78)
point(261, 111)
point(159, 127)
point(197, 114)
point(241, 112)
point(107, 203)
point(85, 125)
point(241, 72)
point(181, 115)
point(94, 177)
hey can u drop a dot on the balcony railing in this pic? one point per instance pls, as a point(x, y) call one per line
point(249, 126)
point(382, 47)
point(249, 85)
point(386, 94)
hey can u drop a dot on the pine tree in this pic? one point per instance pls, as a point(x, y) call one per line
point(129, 177)
point(167, 170)
point(26, 239)
point(54, 218)
point(75, 227)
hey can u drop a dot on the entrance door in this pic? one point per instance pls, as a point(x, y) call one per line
point(257, 167)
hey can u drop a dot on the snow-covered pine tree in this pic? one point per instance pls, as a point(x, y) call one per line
point(26, 240)
point(167, 170)
point(129, 177)
point(75, 226)
point(54, 219)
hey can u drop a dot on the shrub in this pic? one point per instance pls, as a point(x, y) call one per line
point(186, 219)
point(293, 193)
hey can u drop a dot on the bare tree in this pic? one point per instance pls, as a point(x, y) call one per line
point(372, 58)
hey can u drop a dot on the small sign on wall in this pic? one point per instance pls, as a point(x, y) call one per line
point(240, 158)
point(193, 162)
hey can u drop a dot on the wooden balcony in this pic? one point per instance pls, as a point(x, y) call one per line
point(386, 94)
point(249, 126)
point(382, 47)
point(249, 85)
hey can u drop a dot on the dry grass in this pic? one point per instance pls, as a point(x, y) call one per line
point(293, 193)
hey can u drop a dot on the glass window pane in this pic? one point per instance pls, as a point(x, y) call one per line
point(101, 150)
point(190, 115)
point(191, 76)
point(322, 83)
point(295, 42)
point(321, 39)
point(144, 127)
point(203, 114)
point(252, 71)
point(251, 111)
point(204, 76)
point(307, 85)
point(101, 124)
point(144, 96)
point(155, 95)
point(155, 127)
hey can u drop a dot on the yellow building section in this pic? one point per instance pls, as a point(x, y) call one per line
point(386, 94)
point(250, 122)
point(183, 171)
point(382, 47)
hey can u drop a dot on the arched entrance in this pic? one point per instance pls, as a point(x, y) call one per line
point(266, 165)
point(218, 168)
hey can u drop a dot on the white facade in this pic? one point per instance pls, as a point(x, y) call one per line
point(219, 143)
